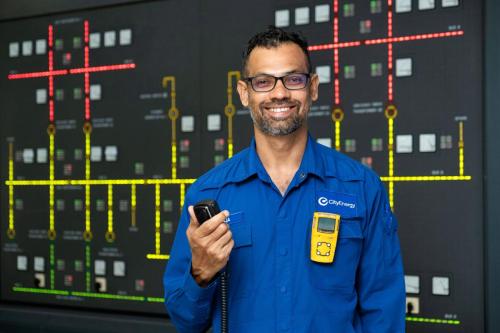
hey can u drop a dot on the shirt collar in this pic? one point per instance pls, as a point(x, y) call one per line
point(312, 162)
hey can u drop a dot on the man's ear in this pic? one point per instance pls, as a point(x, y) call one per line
point(313, 88)
point(242, 88)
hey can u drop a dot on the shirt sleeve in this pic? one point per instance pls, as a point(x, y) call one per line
point(380, 282)
point(188, 304)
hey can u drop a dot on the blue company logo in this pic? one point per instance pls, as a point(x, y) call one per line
point(325, 201)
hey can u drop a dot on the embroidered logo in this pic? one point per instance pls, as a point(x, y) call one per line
point(323, 201)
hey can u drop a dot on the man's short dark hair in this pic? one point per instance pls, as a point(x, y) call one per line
point(274, 37)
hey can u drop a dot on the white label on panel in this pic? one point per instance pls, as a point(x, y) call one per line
point(99, 267)
point(322, 13)
point(125, 36)
point(28, 155)
point(426, 4)
point(119, 268)
point(214, 122)
point(22, 263)
point(27, 48)
point(404, 67)
point(412, 284)
point(282, 18)
point(40, 46)
point(95, 40)
point(450, 3)
point(325, 142)
point(95, 92)
point(187, 123)
point(41, 155)
point(111, 153)
point(427, 143)
point(14, 49)
point(39, 264)
point(41, 96)
point(441, 285)
point(404, 143)
point(95, 154)
point(302, 15)
point(324, 74)
point(403, 6)
point(109, 38)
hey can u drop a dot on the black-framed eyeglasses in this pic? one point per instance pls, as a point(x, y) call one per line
point(266, 83)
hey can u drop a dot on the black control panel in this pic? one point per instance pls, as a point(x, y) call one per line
point(108, 115)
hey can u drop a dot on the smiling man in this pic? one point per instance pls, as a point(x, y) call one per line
point(307, 237)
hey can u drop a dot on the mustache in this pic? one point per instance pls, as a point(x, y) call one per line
point(279, 102)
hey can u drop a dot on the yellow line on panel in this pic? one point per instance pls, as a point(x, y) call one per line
point(390, 124)
point(337, 135)
point(110, 234)
point(87, 129)
point(157, 218)
point(11, 232)
point(424, 178)
point(173, 114)
point(52, 231)
point(93, 182)
point(230, 109)
point(461, 148)
point(133, 204)
point(158, 256)
point(182, 195)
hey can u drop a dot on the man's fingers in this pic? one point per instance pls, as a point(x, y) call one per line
point(209, 226)
point(220, 243)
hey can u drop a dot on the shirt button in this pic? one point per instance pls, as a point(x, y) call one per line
point(302, 175)
point(283, 290)
point(284, 251)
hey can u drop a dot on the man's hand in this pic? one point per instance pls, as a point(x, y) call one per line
point(211, 243)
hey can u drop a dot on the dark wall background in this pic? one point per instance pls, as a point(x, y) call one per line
point(13, 9)
point(21, 318)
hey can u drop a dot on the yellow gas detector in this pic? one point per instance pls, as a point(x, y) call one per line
point(325, 231)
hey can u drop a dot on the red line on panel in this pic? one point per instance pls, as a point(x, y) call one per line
point(390, 82)
point(50, 36)
point(336, 60)
point(322, 47)
point(86, 67)
point(51, 76)
point(106, 68)
point(37, 74)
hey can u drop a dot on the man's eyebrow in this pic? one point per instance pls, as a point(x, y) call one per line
point(281, 74)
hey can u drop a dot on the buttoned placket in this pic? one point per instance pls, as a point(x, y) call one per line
point(284, 259)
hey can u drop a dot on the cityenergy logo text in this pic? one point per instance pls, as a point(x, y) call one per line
point(325, 201)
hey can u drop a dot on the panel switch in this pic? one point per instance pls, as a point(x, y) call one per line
point(40, 280)
point(101, 285)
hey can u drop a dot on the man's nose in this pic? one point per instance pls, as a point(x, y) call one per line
point(280, 91)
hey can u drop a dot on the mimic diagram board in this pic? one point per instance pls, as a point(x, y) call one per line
point(110, 114)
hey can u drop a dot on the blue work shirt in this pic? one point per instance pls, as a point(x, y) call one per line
point(274, 286)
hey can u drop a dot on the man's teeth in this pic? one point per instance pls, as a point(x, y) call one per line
point(282, 109)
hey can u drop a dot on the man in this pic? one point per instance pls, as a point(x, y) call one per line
point(270, 193)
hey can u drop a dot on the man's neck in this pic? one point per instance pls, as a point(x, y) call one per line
point(281, 155)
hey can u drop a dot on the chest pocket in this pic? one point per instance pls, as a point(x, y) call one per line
point(341, 274)
point(241, 230)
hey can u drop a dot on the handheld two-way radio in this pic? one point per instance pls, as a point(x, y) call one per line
point(205, 210)
point(324, 234)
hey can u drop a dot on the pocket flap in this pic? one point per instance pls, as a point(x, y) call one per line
point(240, 229)
point(350, 229)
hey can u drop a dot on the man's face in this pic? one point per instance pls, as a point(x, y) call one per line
point(280, 111)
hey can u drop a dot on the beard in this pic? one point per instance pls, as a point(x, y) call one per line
point(275, 126)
